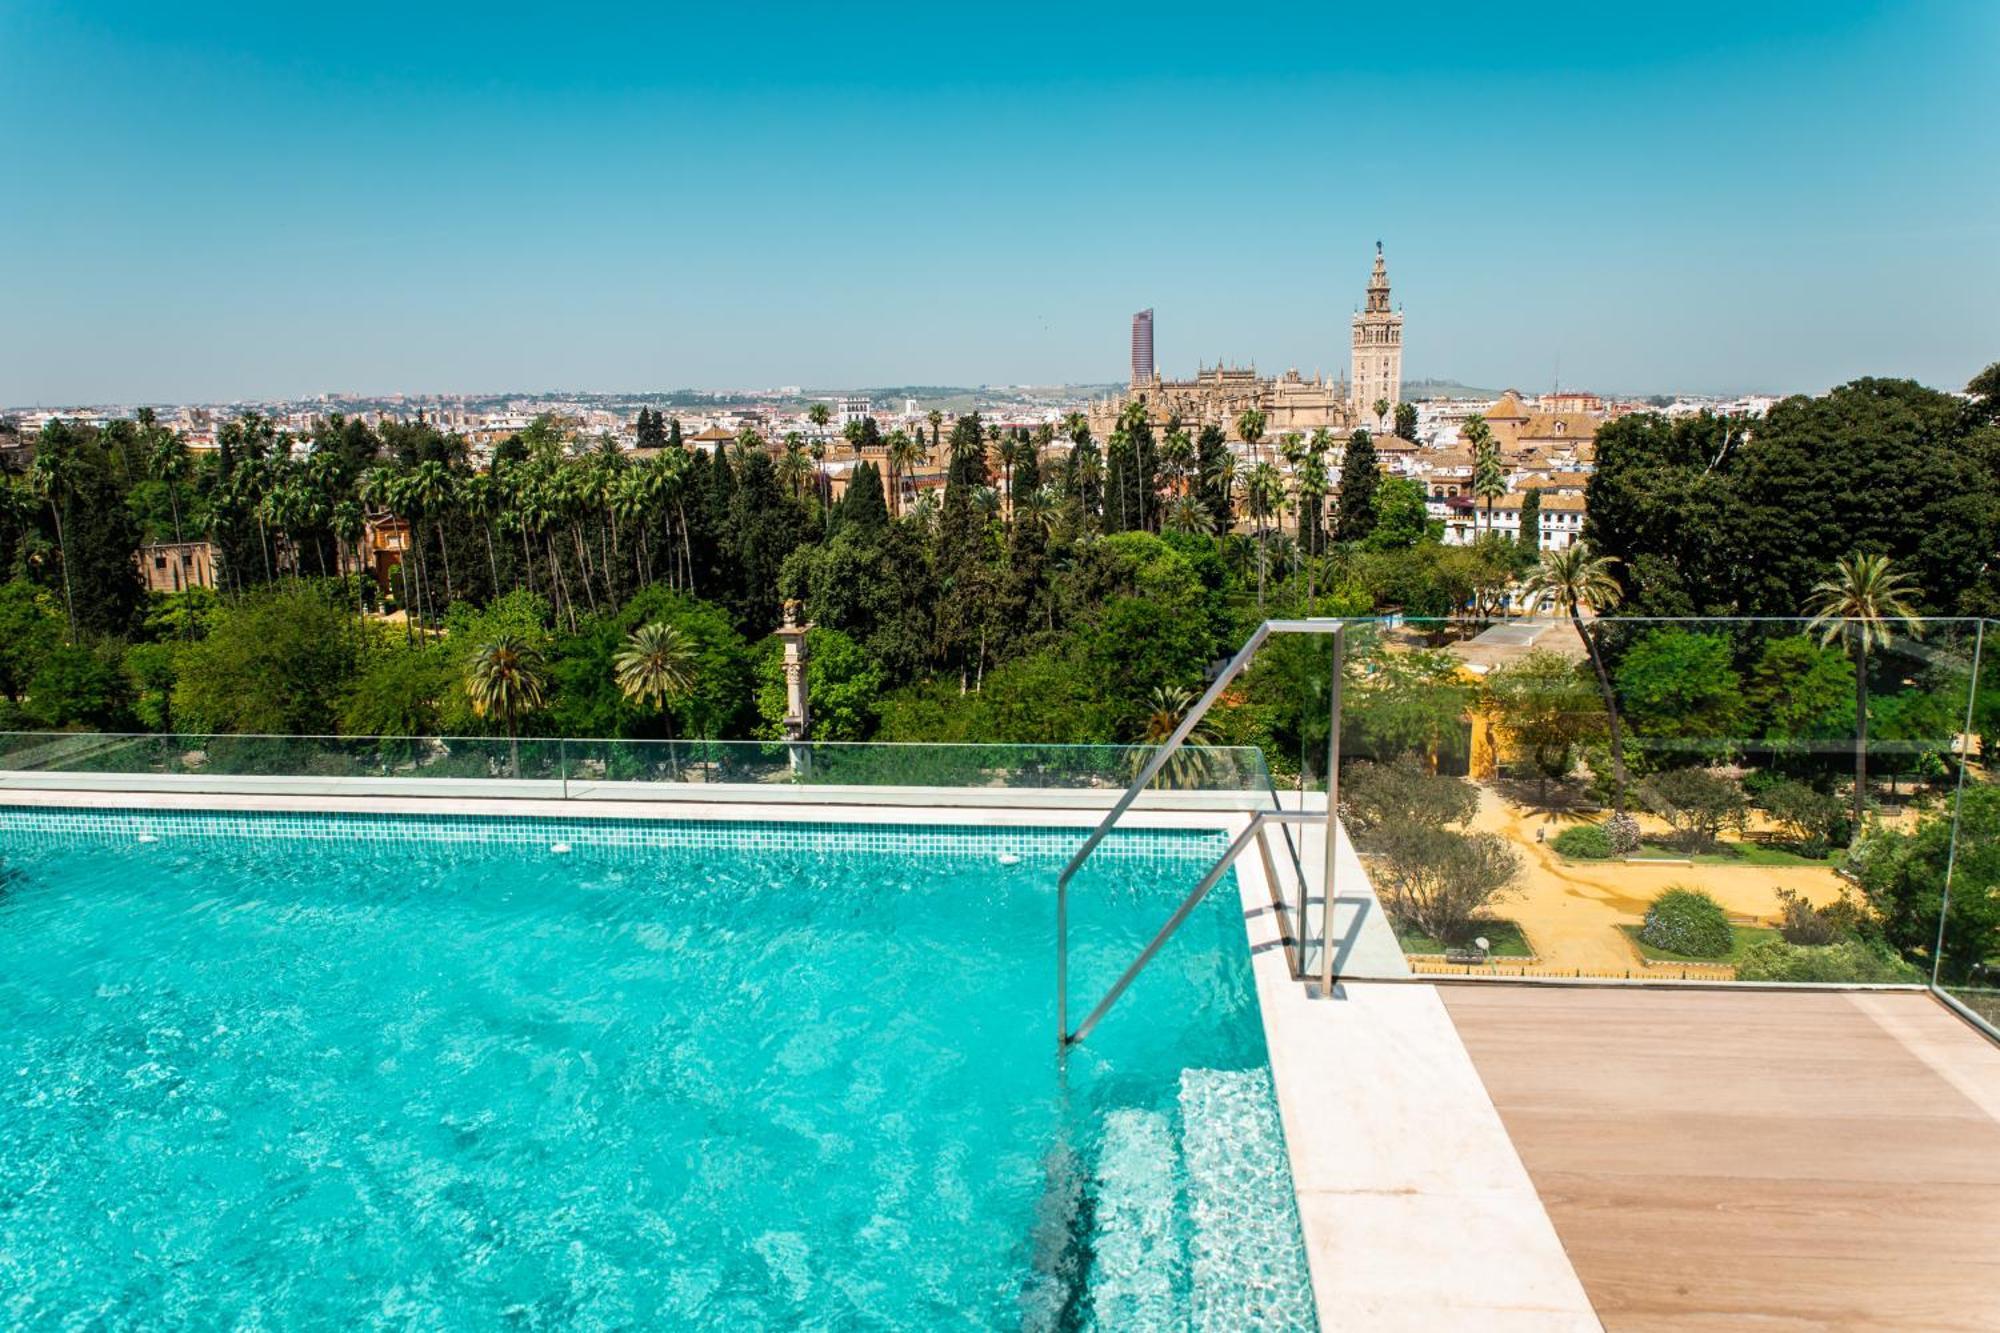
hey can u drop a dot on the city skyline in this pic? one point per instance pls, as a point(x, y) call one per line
point(214, 206)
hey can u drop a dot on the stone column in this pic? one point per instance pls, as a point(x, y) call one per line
point(798, 705)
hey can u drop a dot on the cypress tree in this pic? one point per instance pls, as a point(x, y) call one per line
point(863, 507)
point(1359, 478)
point(964, 602)
point(1531, 521)
point(1212, 459)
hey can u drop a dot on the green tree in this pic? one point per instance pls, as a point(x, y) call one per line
point(1360, 479)
point(1576, 579)
point(1698, 804)
point(1531, 521)
point(80, 685)
point(844, 685)
point(1862, 604)
point(655, 664)
point(277, 661)
point(400, 692)
point(1800, 692)
point(1546, 708)
point(31, 626)
point(150, 673)
point(1380, 798)
point(1811, 818)
point(1440, 882)
point(506, 679)
point(1401, 520)
point(1489, 478)
point(1681, 686)
point(1406, 420)
point(1903, 878)
point(1720, 518)
point(863, 507)
point(1250, 429)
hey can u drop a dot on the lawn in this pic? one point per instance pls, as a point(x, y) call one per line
point(1742, 937)
point(1736, 854)
point(1505, 937)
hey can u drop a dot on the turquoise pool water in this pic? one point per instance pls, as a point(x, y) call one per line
point(282, 1071)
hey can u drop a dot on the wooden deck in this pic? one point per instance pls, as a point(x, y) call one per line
point(1728, 1160)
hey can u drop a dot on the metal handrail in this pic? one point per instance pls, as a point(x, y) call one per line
point(1255, 829)
point(1233, 668)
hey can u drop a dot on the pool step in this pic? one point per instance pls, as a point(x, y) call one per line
point(1138, 1271)
point(1244, 1246)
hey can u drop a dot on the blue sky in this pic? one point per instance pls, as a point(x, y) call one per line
point(210, 202)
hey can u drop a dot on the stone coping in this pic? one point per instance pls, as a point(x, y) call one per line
point(504, 794)
point(1417, 1211)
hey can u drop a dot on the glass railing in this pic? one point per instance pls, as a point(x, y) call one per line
point(1720, 816)
point(606, 769)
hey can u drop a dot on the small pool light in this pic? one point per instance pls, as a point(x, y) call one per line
point(1010, 858)
point(559, 848)
point(148, 837)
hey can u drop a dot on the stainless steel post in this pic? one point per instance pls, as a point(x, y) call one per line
point(1286, 928)
point(1332, 810)
point(1062, 967)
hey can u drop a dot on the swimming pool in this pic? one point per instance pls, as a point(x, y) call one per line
point(284, 1070)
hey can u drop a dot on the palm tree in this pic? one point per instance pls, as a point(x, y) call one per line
point(1250, 425)
point(479, 496)
point(1869, 598)
point(924, 509)
point(350, 525)
point(51, 479)
point(905, 455)
point(1165, 708)
point(1263, 493)
point(1187, 514)
point(171, 464)
point(631, 503)
point(1036, 510)
point(818, 451)
point(1577, 580)
point(1312, 486)
point(431, 489)
point(1489, 481)
point(794, 466)
point(507, 678)
point(1176, 459)
point(936, 418)
point(656, 663)
point(1381, 412)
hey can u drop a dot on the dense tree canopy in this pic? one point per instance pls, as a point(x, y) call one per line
point(1713, 516)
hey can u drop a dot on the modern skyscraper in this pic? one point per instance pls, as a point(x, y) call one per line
point(1378, 349)
point(1142, 348)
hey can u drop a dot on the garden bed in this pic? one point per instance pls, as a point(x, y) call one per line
point(1741, 938)
point(1505, 937)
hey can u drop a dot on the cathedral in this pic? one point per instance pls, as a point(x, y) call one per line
point(1291, 403)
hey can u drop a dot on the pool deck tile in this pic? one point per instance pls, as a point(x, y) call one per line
point(1416, 1209)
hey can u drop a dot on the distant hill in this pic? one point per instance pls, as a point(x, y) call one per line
point(1415, 389)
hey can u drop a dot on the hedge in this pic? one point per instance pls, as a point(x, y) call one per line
point(1687, 921)
point(1585, 842)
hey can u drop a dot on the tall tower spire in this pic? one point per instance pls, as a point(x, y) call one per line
point(1378, 285)
point(1378, 350)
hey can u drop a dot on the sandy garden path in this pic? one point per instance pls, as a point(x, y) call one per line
point(1571, 910)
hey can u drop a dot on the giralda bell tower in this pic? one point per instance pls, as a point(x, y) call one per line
point(1378, 351)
